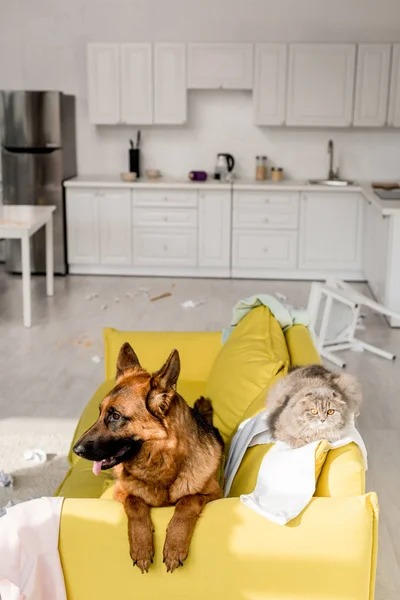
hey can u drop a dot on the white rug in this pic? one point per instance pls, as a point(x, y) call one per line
point(33, 480)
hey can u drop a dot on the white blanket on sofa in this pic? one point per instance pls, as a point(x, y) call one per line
point(286, 479)
point(30, 566)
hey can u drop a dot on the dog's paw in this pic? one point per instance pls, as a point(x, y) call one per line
point(142, 558)
point(174, 556)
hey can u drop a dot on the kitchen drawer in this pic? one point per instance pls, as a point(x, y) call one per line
point(167, 197)
point(279, 201)
point(265, 249)
point(164, 217)
point(256, 217)
point(153, 246)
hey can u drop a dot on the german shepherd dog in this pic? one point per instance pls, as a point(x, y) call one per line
point(163, 453)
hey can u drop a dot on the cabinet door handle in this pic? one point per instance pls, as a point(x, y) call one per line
point(265, 249)
point(165, 247)
point(267, 200)
point(165, 218)
point(165, 198)
point(266, 220)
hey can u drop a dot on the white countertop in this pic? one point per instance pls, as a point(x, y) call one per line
point(142, 183)
point(387, 207)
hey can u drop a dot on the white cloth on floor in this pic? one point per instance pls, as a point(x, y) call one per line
point(30, 566)
point(286, 479)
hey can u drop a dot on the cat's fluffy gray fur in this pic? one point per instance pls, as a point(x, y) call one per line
point(312, 403)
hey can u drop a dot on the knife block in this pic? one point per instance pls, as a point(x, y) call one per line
point(134, 161)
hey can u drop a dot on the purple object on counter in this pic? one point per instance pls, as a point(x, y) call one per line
point(198, 175)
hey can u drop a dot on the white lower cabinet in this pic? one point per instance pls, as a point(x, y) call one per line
point(169, 247)
point(215, 229)
point(331, 227)
point(220, 232)
point(376, 250)
point(258, 249)
point(82, 227)
point(115, 227)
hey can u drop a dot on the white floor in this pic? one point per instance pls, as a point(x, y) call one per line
point(47, 373)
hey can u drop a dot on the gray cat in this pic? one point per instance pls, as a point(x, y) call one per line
point(312, 403)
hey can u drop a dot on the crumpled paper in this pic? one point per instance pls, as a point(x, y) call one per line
point(36, 455)
point(6, 480)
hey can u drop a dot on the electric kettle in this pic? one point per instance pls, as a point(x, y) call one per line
point(225, 164)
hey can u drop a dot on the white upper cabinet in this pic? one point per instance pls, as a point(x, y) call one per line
point(136, 84)
point(170, 97)
point(372, 85)
point(269, 96)
point(321, 84)
point(220, 66)
point(103, 83)
point(394, 105)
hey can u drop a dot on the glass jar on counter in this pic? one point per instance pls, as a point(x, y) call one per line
point(276, 173)
point(261, 168)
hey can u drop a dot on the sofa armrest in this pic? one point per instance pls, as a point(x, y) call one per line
point(343, 473)
point(235, 553)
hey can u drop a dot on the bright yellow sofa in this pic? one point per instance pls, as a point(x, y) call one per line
point(327, 553)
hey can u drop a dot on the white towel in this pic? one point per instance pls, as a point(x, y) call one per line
point(30, 566)
point(286, 479)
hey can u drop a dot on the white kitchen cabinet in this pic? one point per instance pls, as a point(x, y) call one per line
point(269, 97)
point(114, 210)
point(220, 66)
point(264, 250)
point(394, 104)
point(82, 227)
point(170, 94)
point(104, 83)
point(169, 247)
point(136, 84)
point(331, 225)
point(320, 84)
point(376, 250)
point(215, 229)
point(372, 85)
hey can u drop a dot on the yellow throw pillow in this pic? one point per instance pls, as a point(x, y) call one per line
point(197, 350)
point(253, 354)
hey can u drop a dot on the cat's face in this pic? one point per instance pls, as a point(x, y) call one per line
point(322, 409)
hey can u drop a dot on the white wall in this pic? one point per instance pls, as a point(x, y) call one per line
point(43, 46)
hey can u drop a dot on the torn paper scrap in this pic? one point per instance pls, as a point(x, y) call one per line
point(37, 456)
point(6, 480)
point(91, 296)
point(192, 303)
point(96, 359)
point(281, 297)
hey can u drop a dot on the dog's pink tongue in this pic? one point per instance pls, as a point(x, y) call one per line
point(96, 467)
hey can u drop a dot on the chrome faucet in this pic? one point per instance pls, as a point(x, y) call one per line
point(332, 175)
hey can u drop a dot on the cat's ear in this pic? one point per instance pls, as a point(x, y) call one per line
point(338, 398)
point(351, 388)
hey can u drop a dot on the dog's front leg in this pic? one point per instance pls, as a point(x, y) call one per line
point(181, 527)
point(140, 532)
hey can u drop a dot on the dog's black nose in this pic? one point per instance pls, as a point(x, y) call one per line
point(79, 449)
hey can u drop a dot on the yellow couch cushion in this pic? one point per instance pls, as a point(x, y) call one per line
point(253, 354)
point(81, 483)
point(300, 346)
point(197, 350)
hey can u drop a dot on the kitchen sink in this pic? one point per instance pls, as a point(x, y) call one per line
point(331, 182)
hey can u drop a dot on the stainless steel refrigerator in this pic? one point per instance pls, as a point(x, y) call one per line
point(38, 154)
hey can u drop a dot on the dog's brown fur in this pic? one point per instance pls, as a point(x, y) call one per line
point(173, 460)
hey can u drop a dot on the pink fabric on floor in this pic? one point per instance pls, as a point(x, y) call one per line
point(30, 566)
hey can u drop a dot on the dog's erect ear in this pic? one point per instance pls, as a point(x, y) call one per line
point(127, 359)
point(163, 384)
point(168, 375)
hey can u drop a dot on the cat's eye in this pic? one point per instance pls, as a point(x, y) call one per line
point(330, 411)
point(314, 411)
